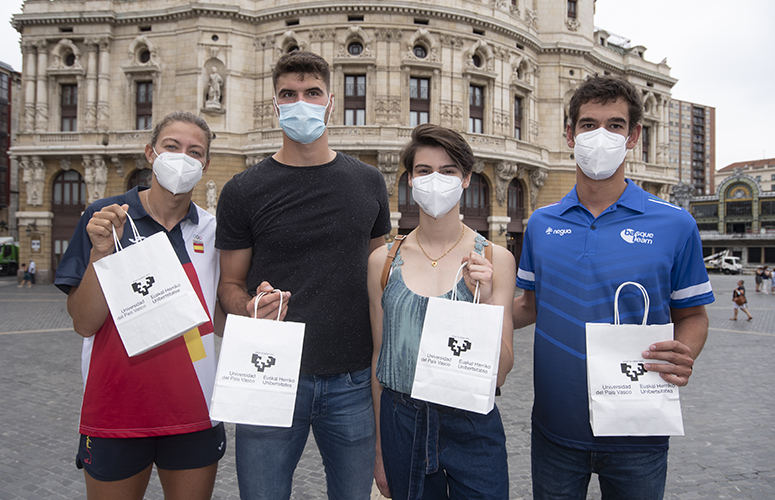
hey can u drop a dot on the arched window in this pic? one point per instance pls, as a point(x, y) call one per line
point(140, 178)
point(516, 201)
point(69, 192)
point(476, 199)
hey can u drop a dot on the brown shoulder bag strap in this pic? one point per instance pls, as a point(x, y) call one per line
point(390, 257)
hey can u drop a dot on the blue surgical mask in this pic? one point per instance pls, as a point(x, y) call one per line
point(303, 122)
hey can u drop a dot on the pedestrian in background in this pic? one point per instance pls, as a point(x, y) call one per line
point(739, 301)
point(33, 269)
point(25, 277)
point(758, 278)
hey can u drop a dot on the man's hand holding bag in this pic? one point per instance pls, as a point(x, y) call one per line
point(258, 370)
point(624, 398)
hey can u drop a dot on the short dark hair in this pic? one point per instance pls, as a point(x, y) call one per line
point(186, 117)
point(605, 89)
point(429, 135)
point(302, 62)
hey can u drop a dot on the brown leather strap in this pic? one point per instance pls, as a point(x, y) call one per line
point(488, 251)
point(390, 257)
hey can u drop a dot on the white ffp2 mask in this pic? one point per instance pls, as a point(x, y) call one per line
point(178, 173)
point(437, 194)
point(599, 153)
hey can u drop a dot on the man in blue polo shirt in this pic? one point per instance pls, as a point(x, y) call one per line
point(576, 252)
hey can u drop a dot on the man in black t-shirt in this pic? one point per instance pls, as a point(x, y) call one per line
point(305, 221)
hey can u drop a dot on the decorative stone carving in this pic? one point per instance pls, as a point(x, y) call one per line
point(118, 165)
point(483, 48)
point(211, 196)
point(34, 197)
point(29, 117)
point(572, 24)
point(34, 177)
point(253, 160)
point(287, 40)
point(388, 109)
point(505, 171)
point(387, 163)
point(141, 162)
point(478, 166)
point(65, 164)
point(214, 91)
point(502, 122)
point(537, 180)
point(100, 177)
point(322, 35)
point(455, 42)
point(423, 37)
point(59, 54)
point(263, 114)
point(388, 34)
point(355, 34)
point(451, 116)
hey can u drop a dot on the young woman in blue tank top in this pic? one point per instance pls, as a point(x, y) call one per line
point(425, 450)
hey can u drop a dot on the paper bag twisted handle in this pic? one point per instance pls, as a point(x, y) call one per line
point(136, 233)
point(645, 297)
point(454, 285)
point(279, 309)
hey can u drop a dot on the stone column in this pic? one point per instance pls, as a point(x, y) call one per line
point(90, 109)
point(29, 70)
point(498, 229)
point(41, 99)
point(103, 99)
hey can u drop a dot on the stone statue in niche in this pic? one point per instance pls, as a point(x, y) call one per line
point(211, 196)
point(214, 92)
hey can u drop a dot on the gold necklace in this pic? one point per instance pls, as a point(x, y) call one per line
point(148, 201)
point(435, 262)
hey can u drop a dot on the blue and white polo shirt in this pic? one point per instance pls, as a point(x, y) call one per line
point(574, 262)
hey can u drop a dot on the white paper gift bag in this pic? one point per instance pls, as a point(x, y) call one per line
point(258, 371)
point(148, 292)
point(457, 363)
point(624, 398)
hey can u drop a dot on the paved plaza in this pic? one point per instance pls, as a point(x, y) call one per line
point(729, 407)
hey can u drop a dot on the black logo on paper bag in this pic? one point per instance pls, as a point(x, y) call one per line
point(143, 284)
point(458, 347)
point(633, 372)
point(262, 361)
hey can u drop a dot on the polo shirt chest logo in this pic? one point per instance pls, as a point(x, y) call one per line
point(632, 236)
point(199, 246)
point(559, 232)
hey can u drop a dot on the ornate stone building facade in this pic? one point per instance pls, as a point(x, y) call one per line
point(97, 73)
point(739, 217)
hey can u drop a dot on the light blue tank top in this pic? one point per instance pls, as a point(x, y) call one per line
point(403, 315)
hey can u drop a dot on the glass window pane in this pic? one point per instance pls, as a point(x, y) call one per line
point(413, 119)
point(361, 113)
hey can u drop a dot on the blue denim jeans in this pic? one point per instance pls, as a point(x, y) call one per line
point(339, 409)
point(561, 473)
point(432, 451)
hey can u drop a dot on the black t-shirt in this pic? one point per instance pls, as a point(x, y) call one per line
point(309, 228)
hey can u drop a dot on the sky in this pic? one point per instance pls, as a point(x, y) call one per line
point(722, 52)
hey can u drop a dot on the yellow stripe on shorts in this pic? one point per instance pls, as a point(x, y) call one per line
point(196, 348)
